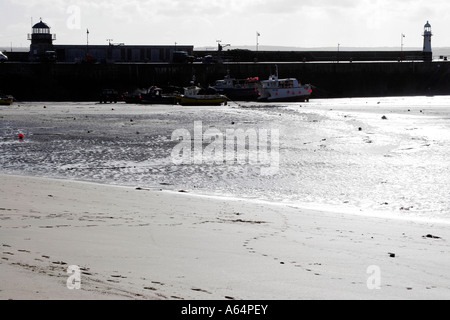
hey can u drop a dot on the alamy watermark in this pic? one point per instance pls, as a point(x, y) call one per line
point(374, 279)
point(73, 21)
point(74, 280)
point(258, 147)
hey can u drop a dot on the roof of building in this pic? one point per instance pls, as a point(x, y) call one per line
point(41, 25)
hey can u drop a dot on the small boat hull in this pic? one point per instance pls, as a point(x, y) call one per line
point(132, 99)
point(238, 89)
point(202, 101)
point(6, 101)
point(244, 94)
point(196, 96)
point(299, 98)
point(284, 90)
point(158, 100)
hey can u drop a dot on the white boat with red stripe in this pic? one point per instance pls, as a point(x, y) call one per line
point(283, 90)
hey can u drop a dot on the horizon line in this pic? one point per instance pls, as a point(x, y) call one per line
point(7, 48)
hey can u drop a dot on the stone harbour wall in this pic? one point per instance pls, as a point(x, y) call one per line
point(84, 82)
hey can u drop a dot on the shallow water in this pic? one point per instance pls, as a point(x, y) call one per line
point(337, 154)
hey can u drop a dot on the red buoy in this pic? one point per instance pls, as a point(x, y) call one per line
point(21, 136)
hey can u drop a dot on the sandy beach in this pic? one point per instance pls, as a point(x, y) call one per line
point(93, 207)
point(144, 244)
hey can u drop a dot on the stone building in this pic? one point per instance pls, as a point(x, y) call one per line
point(118, 53)
point(42, 48)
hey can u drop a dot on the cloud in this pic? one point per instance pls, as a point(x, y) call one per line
point(202, 22)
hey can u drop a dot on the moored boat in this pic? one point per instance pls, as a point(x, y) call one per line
point(6, 100)
point(283, 90)
point(154, 95)
point(132, 98)
point(195, 96)
point(238, 89)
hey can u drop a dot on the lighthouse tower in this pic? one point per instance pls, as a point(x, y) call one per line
point(41, 41)
point(427, 52)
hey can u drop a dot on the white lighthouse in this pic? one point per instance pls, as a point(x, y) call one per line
point(427, 52)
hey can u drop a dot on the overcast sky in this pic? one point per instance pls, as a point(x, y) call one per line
point(294, 23)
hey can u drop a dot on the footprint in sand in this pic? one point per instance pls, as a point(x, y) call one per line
point(84, 270)
point(200, 290)
point(150, 288)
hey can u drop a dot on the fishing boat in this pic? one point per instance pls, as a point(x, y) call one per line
point(283, 90)
point(132, 98)
point(238, 89)
point(195, 96)
point(154, 95)
point(6, 100)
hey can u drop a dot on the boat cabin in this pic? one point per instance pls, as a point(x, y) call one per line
point(154, 92)
point(276, 83)
point(192, 91)
point(225, 83)
point(229, 83)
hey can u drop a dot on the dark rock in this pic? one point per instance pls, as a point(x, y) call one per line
point(431, 236)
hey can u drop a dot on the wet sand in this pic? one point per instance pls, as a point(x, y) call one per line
point(352, 214)
point(134, 243)
point(338, 153)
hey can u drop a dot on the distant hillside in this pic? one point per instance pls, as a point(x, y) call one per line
point(14, 49)
point(441, 51)
point(437, 52)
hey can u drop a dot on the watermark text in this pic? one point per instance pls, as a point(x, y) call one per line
point(258, 147)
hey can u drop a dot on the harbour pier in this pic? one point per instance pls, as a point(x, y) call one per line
point(84, 82)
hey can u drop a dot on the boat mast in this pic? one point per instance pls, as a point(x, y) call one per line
point(274, 77)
